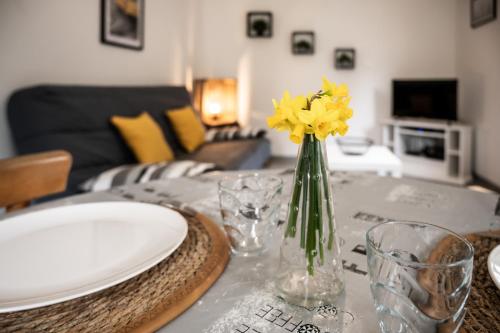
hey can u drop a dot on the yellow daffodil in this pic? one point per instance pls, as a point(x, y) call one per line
point(323, 113)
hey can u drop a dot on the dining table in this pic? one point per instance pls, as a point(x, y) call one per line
point(243, 300)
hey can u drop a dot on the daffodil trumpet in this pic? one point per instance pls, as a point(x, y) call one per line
point(310, 120)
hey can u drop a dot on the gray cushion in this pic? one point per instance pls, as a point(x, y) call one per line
point(234, 155)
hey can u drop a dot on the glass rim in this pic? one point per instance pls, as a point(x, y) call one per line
point(227, 178)
point(385, 255)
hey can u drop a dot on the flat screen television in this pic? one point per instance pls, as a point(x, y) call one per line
point(434, 99)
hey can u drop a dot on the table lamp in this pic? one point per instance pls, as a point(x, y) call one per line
point(216, 100)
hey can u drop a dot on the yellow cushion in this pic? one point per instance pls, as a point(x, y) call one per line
point(187, 127)
point(145, 137)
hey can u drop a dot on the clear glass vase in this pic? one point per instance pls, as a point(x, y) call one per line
point(310, 271)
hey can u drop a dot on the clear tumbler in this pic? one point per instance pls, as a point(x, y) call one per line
point(420, 276)
point(250, 206)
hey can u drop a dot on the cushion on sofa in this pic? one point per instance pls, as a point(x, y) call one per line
point(187, 127)
point(144, 137)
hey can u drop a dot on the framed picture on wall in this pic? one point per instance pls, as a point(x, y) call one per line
point(345, 58)
point(260, 24)
point(303, 42)
point(482, 12)
point(122, 23)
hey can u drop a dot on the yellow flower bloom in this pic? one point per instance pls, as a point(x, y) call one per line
point(322, 114)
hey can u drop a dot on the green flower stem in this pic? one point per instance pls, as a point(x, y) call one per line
point(305, 188)
point(329, 204)
point(310, 187)
point(312, 220)
point(294, 203)
point(318, 158)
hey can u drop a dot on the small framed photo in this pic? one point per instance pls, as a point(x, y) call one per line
point(260, 24)
point(303, 42)
point(345, 58)
point(482, 12)
point(122, 23)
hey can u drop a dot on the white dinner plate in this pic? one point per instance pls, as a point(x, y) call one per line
point(494, 265)
point(58, 254)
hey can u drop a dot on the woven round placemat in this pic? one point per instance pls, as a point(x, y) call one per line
point(143, 303)
point(483, 305)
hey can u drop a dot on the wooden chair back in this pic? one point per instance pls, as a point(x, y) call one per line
point(28, 177)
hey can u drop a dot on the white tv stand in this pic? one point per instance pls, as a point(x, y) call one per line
point(431, 149)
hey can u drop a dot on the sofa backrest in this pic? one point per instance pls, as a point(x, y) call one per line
point(76, 119)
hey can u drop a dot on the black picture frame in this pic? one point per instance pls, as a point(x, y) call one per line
point(122, 23)
point(482, 12)
point(303, 42)
point(259, 24)
point(344, 58)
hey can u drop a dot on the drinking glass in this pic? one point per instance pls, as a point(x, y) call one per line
point(420, 276)
point(250, 206)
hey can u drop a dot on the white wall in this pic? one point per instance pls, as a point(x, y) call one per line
point(478, 61)
point(57, 41)
point(392, 38)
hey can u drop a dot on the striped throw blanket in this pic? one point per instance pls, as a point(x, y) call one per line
point(233, 133)
point(141, 173)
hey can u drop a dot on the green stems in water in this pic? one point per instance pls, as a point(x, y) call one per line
point(310, 189)
point(329, 203)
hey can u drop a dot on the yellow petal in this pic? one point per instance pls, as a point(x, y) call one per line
point(309, 129)
point(347, 113)
point(341, 91)
point(322, 130)
point(273, 120)
point(307, 117)
point(300, 102)
point(297, 135)
point(343, 129)
point(286, 97)
point(327, 86)
point(318, 107)
point(340, 128)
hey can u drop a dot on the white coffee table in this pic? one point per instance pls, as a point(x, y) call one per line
point(378, 159)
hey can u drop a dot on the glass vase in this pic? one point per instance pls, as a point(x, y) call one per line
point(310, 271)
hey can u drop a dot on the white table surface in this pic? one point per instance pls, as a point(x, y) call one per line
point(242, 300)
point(378, 159)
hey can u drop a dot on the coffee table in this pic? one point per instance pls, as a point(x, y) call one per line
point(377, 159)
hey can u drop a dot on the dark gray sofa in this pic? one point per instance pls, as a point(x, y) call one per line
point(76, 119)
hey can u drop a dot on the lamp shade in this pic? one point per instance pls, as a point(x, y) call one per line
point(216, 100)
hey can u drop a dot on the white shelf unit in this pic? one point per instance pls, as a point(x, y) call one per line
point(436, 150)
